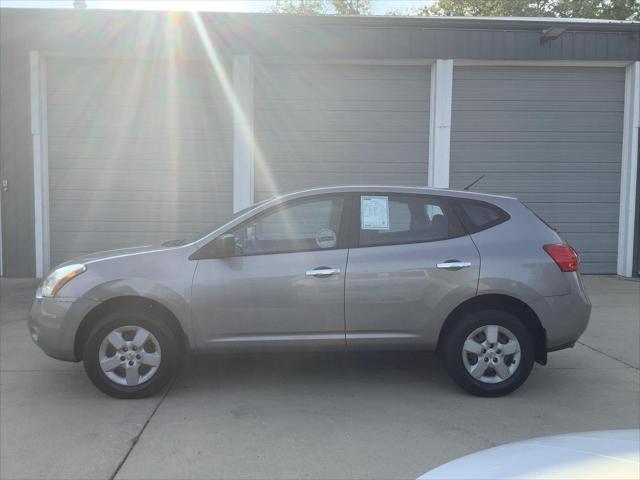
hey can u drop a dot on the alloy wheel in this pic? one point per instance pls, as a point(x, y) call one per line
point(491, 354)
point(129, 355)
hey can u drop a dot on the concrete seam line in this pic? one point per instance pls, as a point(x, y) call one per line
point(610, 356)
point(135, 439)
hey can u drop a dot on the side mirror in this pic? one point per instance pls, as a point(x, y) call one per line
point(225, 245)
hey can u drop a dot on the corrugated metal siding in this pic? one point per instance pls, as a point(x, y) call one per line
point(139, 152)
point(551, 137)
point(16, 159)
point(319, 125)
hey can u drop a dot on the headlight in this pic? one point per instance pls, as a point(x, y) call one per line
point(59, 277)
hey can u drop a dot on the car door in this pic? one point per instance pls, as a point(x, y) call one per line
point(411, 265)
point(283, 288)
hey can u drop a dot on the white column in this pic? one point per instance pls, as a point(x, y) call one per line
point(243, 142)
point(629, 171)
point(39, 135)
point(440, 123)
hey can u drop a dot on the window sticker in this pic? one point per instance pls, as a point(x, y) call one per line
point(326, 238)
point(374, 213)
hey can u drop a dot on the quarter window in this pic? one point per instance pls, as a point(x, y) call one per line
point(479, 216)
point(394, 219)
point(302, 226)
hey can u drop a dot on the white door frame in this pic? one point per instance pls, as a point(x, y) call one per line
point(629, 171)
point(40, 138)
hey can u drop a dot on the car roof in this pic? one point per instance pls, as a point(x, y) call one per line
point(390, 189)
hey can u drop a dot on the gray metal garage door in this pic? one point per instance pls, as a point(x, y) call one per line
point(551, 137)
point(139, 152)
point(322, 125)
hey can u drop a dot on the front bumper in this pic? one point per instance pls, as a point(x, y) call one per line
point(53, 323)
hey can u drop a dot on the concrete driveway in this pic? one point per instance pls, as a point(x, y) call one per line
point(303, 416)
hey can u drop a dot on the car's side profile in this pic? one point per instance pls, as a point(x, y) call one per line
point(479, 278)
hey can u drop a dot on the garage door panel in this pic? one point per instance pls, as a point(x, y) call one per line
point(329, 136)
point(340, 105)
point(357, 165)
point(497, 90)
point(139, 152)
point(540, 75)
point(123, 133)
point(507, 121)
point(171, 166)
point(531, 164)
point(306, 71)
point(598, 155)
point(549, 182)
point(128, 215)
point(124, 149)
point(162, 116)
point(183, 100)
point(288, 151)
point(319, 125)
point(129, 78)
point(279, 121)
point(218, 195)
point(562, 105)
point(336, 90)
point(110, 180)
point(485, 135)
point(550, 136)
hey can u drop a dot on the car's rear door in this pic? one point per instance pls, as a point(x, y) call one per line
point(410, 265)
point(285, 286)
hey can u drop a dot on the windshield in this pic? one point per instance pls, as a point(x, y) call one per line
point(199, 235)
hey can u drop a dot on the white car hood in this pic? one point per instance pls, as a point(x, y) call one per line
point(605, 454)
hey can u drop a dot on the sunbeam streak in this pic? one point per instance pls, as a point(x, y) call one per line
point(230, 96)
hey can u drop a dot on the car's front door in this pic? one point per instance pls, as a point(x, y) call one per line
point(284, 286)
point(412, 264)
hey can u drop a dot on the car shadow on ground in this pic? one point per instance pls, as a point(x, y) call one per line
point(397, 368)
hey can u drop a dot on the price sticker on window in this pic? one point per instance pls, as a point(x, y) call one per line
point(374, 213)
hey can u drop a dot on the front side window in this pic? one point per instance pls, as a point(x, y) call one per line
point(395, 219)
point(301, 226)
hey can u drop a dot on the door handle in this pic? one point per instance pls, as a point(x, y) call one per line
point(453, 265)
point(322, 272)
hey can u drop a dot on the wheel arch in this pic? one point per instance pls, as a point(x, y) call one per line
point(504, 303)
point(124, 302)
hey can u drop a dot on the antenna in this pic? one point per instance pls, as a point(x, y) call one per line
point(474, 182)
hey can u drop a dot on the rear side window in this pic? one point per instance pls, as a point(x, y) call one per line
point(477, 216)
point(397, 219)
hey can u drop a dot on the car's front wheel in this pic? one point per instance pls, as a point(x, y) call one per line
point(131, 354)
point(488, 353)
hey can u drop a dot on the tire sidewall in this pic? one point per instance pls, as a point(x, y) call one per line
point(168, 346)
point(454, 342)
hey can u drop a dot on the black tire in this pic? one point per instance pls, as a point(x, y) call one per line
point(451, 352)
point(170, 357)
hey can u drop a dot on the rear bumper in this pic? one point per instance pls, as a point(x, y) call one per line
point(564, 317)
point(53, 323)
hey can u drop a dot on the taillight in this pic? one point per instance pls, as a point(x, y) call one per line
point(564, 255)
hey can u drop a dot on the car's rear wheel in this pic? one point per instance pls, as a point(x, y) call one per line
point(131, 354)
point(488, 353)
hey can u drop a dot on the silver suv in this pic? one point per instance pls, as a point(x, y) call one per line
point(478, 278)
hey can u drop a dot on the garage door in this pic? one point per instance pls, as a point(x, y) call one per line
point(139, 152)
point(551, 137)
point(319, 125)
